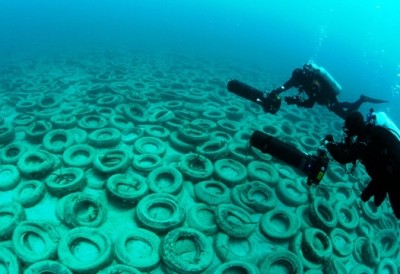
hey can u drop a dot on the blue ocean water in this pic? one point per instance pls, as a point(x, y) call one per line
point(357, 42)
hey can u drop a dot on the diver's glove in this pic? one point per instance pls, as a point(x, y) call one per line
point(291, 100)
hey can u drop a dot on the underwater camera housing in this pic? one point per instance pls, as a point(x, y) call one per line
point(270, 102)
point(314, 166)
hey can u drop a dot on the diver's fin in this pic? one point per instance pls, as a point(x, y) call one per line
point(368, 99)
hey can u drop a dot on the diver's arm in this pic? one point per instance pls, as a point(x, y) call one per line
point(294, 81)
point(344, 154)
point(309, 103)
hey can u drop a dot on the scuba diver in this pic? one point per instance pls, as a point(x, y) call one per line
point(321, 88)
point(378, 149)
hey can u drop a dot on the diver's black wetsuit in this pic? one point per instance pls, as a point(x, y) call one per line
point(318, 91)
point(379, 150)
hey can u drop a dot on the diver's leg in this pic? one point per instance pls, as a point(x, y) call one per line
point(369, 191)
point(338, 110)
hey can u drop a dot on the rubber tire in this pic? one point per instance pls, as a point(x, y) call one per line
point(29, 193)
point(120, 269)
point(235, 267)
point(49, 239)
point(348, 217)
point(338, 247)
point(229, 248)
point(134, 185)
point(149, 145)
point(213, 149)
point(260, 171)
point(237, 174)
point(254, 197)
point(212, 193)
point(202, 218)
point(196, 167)
point(48, 267)
point(10, 177)
point(92, 208)
point(281, 261)
point(9, 224)
point(105, 162)
point(60, 145)
point(292, 224)
point(146, 162)
point(92, 122)
point(322, 215)
point(165, 179)
point(8, 261)
point(290, 193)
point(104, 138)
point(146, 257)
point(12, 152)
point(35, 164)
point(81, 156)
point(155, 223)
point(178, 261)
point(317, 244)
point(241, 226)
point(65, 180)
point(88, 235)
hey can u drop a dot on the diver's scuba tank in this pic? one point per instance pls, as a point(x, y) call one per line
point(337, 88)
point(381, 119)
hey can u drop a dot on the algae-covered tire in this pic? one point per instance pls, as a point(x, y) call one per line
point(15, 214)
point(234, 220)
point(38, 231)
point(104, 138)
point(150, 145)
point(81, 209)
point(126, 189)
point(279, 224)
point(92, 122)
point(47, 266)
point(58, 140)
point(8, 261)
point(63, 121)
point(254, 197)
point(230, 172)
point(192, 134)
point(202, 218)
point(212, 192)
point(261, 171)
point(229, 248)
point(370, 253)
point(186, 250)
point(386, 265)
point(297, 246)
point(75, 250)
point(290, 193)
point(119, 269)
point(342, 242)
point(138, 248)
point(10, 177)
point(213, 149)
point(235, 267)
point(387, 241)
point(111, 161)
point(196, 167)
point(79, 156)
point(146, 162)
point(361, 269)
point(35, 164)
point(160, 212)
point(323, 215)
point(7, 134)
point(281, 261)
point(318, 245)
point(12, 152)
point(348, 217)
point(29, 193)
point(65, 180)
point(165, 179)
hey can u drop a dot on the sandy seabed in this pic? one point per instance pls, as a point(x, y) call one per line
point(140, 163)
